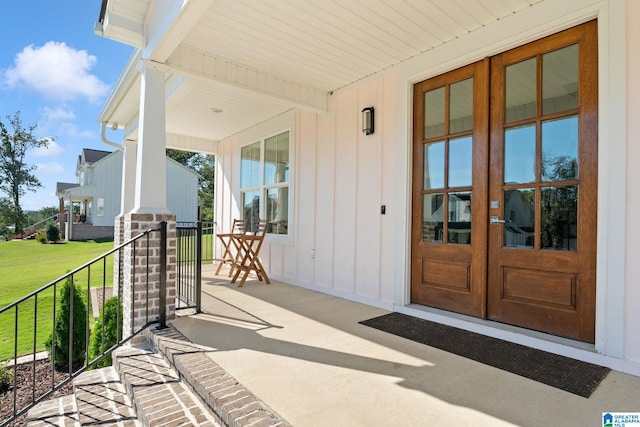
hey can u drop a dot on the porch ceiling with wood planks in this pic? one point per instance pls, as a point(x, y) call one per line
point(235, 63)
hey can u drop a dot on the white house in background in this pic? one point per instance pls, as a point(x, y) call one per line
point(98, 194)
point(497, 190)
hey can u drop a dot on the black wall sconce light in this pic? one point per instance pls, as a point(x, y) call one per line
point(368, 120)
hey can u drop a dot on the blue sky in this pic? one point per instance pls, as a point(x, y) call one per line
point(58, 74)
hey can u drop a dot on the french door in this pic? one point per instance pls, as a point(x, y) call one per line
point(504, 187)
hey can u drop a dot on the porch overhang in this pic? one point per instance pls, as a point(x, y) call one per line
point(230, 67)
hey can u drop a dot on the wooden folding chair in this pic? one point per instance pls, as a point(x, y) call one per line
point(248, 261)
point(230, 245)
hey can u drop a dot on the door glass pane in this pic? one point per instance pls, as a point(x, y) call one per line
point(520, 90)
point(251, 208)
point(560, 149)
point(559, 219)
point(461, 106)
point(277, 209)
point(434, 165)
point(460, 161)
point(519, 217)
point(434, 113)
point(560, 80)
point(459, 224)
point(432, 217)
point(276, 159)
point(520, 154)
point(250, 165)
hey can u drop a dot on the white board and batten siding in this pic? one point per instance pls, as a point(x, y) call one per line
point(182, 189)
point(339, 242)
point(107, 180)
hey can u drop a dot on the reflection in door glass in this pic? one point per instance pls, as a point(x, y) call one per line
point(461, 106)
point(560, 80)
point(434, 113)
point(520, 155)
point(460, 159)
point(560, 149)
point(559, 221)
point(459, 224)
point(434, 165)
point(519, 217)
point(432, 217)
point(520, 90)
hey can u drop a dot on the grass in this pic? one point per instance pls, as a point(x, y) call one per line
point(27, 265)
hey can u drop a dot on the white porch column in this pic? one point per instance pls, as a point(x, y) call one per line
point(151, 179)
point(128, 176)
point(142, 263)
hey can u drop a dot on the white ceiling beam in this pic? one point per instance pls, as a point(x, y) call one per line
point(205, 66)
point(168, 24)
point(192, 143)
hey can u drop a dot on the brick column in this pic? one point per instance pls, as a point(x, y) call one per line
point(140, 307)
point(118, 239)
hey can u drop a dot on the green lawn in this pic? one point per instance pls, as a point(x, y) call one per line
point(27, 265)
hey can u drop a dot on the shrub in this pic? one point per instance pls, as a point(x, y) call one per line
point(63, 326)
point(104, 340)
point(6, 378)
point(41, 236)
point(53, 233)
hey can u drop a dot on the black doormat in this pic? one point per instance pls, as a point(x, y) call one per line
point(567, 374)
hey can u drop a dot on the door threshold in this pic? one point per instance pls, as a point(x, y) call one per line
point(542, 341)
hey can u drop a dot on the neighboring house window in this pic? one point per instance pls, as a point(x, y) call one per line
point(264, 182)
point(100, 206)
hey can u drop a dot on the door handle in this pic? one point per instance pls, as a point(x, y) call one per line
point(497, 220)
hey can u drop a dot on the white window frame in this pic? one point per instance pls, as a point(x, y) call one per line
point(262, 187)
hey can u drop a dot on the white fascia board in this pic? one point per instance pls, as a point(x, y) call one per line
point(120, 28)
point(166, 25)
point(201, 65)
point(127, 78)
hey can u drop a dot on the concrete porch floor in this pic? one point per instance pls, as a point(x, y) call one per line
point(306, 356)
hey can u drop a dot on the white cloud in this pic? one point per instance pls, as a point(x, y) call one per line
point(70, 129)
point(51, 151)
point(57, 114)
point(59, 121)
point(50, 168)
point(56, 71)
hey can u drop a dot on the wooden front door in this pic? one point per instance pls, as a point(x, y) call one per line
point(513, 141)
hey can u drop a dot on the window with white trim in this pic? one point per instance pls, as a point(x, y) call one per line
point(264, 183)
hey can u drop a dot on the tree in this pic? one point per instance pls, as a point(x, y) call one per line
point(53, 233)
point(186, 158)
point(69, 295)
point(107, 331)
point(207, 186)
point(16, 176)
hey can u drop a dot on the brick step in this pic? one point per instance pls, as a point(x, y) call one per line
point(101, 398)
point(98, 398)
point(55, 412)
point(168, 381)
point(232, 403)
point(157, 392)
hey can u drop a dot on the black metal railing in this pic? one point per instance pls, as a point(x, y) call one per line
point(194, 245)
point(38, 312)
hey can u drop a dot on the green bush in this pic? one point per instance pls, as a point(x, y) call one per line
point(53, 233)
point(112, 317)
point(63, 326)
point(6, 378)
point(41, 236)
